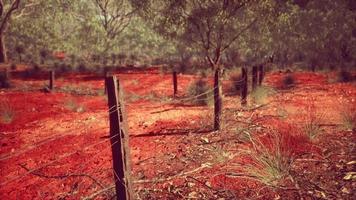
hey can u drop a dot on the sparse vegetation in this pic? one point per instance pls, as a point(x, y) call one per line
point(261, 93)
point(198, 91)
point(74, 105)
point(288, 81)
point(348, 116)
point(7, 112)
point(312, 122)
point(234, 86)
point(273, 155)
point(345, 76)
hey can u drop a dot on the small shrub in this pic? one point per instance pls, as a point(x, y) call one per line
point(288, 81)
point(260, 94)
point(7, 112)
point(345, 76)
point(73, 105)
point(4, 80)
point(82, 67)
point(13, 66)
point(348, 116)
point(234, 88)
point(198, 91)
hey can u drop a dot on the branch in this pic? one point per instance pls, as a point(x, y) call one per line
point(14, 6)
point(34, 172)
point(238, 35)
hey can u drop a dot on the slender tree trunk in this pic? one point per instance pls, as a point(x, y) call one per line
point(175, 84)
point(217, 99)
point(244, 87)
point(3, 56)
point(254, 77)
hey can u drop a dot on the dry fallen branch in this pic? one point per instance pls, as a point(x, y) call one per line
point(36, 173)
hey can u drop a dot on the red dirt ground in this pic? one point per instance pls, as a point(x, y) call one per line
point(52, 152)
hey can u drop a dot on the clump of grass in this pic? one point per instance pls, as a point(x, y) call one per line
point(261, 93)
point(7, 112)
point(288, 81)
point(312, 123)
point(73, 105)
point(345, 76)
point(348, 116)
point(271, 156)
point(198, 92)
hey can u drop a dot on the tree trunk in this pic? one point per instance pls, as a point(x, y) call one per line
point(217, 100)
point(244, 86)
point(261, 75)
point(254, 77)
point(175, 85)
point(3, 57)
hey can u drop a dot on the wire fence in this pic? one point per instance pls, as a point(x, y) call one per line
point(103, 183)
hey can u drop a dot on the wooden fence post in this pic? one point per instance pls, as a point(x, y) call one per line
point(119, 138)
point(51, 80)
point(261, 75)
point(217, 100)
point(175, 86)
point(254, 77)
point(244, 86)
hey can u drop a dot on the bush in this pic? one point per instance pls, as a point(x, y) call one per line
point(198, 91)
point(234, 87)
point(260, 94)
point(13, 66)
point(348, 116)
point(4, 80)
point(73, 105)
point(82, 67)
point(345, 76)
point(288, 81)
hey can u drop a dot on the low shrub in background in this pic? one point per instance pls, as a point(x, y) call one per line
point(261, 93)
point(7, 112)
point(234, 86)
point(199, 93)
point(348, 117)
point(73, 105)
point(288, 81)
point(4, 80)
point(345, 76)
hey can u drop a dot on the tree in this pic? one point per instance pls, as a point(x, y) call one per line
point(6, 11)
point(209, 26)
point(114, 16)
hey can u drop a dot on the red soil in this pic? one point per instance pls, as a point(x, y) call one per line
point(58, 142)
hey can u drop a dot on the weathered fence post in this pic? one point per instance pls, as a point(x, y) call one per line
point(244, 86)
point(175, 85)
point(261, 75)
point(106, 75)
point(51, 80)
point(217, 100)
point(119, 138)
point(254, 77)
